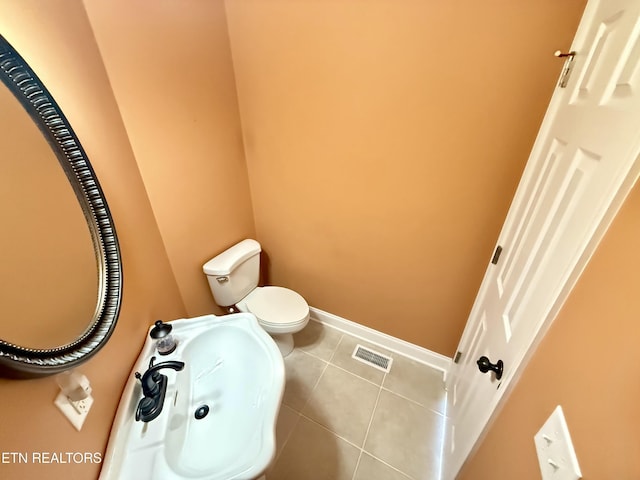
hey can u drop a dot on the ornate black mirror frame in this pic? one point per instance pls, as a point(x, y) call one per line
point(24, 362)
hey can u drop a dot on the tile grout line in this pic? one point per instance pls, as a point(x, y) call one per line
point(324, 427)
point(315, 385)
point(335, 350)
point(443, 436)
point(342, 368)
point(356, 375)
point(286, 440)
point(390, 466)
point(333, 353)
point(355, 470)
point(366, 434)
point(381, 384)
point(299, 413)
point(361, 448)
point(430, 409)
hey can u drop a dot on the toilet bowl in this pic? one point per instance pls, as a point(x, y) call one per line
point(280, 311)
point(233, 278)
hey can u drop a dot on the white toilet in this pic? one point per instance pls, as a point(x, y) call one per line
point(233, 278)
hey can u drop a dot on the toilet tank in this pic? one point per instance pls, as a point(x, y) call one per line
point(234, 273)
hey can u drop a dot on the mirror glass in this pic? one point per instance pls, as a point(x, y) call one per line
point(49, 269)
point(61, 274)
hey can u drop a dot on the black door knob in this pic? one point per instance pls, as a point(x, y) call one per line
point(484, 364)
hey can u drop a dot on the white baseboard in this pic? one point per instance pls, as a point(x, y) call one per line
point(393, 344)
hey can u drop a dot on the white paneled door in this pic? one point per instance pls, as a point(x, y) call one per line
point(583, 164)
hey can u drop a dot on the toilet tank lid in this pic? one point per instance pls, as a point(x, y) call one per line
point(224, 263)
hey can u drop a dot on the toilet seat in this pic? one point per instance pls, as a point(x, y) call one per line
point(277, 308)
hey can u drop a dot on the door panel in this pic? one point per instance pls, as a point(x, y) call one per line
point(585, 155)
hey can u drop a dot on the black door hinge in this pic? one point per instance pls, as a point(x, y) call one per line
point(496, 255)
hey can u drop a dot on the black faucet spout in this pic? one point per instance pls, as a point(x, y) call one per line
point(154, 387)
point(151, 378)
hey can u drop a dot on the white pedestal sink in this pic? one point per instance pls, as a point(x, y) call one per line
point(233, 371)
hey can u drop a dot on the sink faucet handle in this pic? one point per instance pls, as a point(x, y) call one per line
point(151, 363)
point(140, 379)
point(155, 376)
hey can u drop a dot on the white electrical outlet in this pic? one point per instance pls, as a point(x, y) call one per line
point(556, 454)
point(76, 412)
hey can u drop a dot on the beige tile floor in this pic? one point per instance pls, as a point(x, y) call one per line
point(344, 420)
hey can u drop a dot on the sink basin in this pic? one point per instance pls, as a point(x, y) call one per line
point(219, 413)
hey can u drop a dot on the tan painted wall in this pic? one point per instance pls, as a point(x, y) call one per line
point(56, 39)
point(384, 141)
point(170, 66)
point(364, 136)
point(589, 363)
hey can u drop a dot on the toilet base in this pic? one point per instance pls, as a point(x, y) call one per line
point(284, 342)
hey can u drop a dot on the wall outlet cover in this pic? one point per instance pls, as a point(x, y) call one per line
point(76, 412)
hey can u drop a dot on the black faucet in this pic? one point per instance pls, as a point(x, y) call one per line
point(154, 387)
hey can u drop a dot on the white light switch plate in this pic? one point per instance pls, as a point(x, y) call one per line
point(556, 455)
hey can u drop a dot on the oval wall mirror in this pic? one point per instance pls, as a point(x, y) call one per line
point(61, 272)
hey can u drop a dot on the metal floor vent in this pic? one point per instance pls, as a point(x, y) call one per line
point(372, 358)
